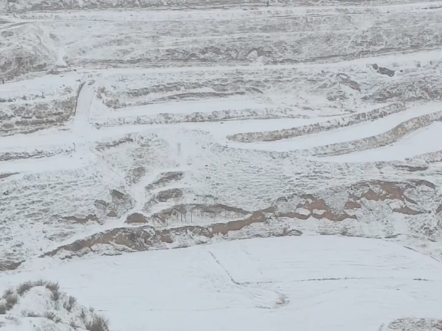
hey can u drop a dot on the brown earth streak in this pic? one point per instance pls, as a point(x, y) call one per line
point(163, 215)
point(377, 191)
point(136, 218)
point(146, 237)
point(143, 238)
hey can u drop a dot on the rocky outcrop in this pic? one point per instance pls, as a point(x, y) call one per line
point(356, 201)
point(167, 195)
point(148, 237)
point(119, 204)
point(367, 202)
point(188, 212)
point(136, 218)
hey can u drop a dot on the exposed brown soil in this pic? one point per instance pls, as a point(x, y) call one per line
point(146, 237)
point(313, 205)
point(166, 195)
point(187, 211)
point(377, 191)
point(136, 218)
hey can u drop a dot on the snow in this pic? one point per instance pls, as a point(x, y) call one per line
point(354, 132)
point(424, 141)
point(55, 163)
point(351, 283)
point(109, 105)
point(41, 306)
point(189, 107)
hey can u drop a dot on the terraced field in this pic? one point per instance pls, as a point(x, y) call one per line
point(129, 126)
point(148, 124)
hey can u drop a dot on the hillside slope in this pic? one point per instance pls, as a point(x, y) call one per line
point(131, 129)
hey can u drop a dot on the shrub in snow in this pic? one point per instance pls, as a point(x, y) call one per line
point(98, 324)
point(40, 305)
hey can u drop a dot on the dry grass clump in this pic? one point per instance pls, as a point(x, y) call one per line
point(27, 313)
point(70, 303)
point(52, 286)
point(99, 323)
point(52, 316)
point(11, 300)
point(24, 287)
point(87, 316)
point(2, 308)
point(11, 296)
point(55, 289)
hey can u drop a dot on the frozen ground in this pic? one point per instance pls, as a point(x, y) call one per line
point(260, 284)
point(118, 120)
point(423, 141)
point(131, 126)
point(358, 132)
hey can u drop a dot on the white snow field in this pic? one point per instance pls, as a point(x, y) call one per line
point(309, 283)
point(222, 164)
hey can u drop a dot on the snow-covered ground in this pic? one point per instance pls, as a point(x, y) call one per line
point(310, 283)
point(424, 141)
point(122, 100)
point(354, 132)
point(133, 126)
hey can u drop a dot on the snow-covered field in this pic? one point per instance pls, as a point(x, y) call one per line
point(310, 283)
point(134, 126)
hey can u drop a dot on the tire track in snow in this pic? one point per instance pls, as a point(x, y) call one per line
point(262, 298)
